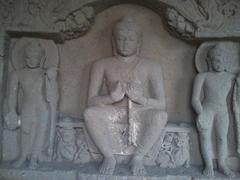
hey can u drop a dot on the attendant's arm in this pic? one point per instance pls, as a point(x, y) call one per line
point(52, 93)
point(236, 96)
point(197, 89)
point(13, 89)
point(11, 118)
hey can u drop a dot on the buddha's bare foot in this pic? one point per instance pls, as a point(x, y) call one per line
point(208, 172)
point(225, 170)
point(108, 165)
point(33, 164)
point(18, 163)
point(137, 167)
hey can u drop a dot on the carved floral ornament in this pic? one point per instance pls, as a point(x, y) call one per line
point(186, 19)
point(194, 18)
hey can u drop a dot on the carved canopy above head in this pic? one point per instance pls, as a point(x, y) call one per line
point(51, 57)
point(186, 19)
point(202, 19)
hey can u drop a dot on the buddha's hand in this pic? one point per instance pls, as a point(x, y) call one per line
point(12, 120)
point(118, 92)
point(134, 92)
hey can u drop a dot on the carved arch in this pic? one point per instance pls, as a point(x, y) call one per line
point(62, 19)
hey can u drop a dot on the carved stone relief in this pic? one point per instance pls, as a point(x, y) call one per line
point(126, 87)
point(26, 107)
point(211, 89)
point(187, 19)
point(203, 19)
point(125, 126)
point(174, 151)
point(71, 144)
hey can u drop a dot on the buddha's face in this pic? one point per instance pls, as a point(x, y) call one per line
point(218, 60)
point(126, 41)
point(33, 56)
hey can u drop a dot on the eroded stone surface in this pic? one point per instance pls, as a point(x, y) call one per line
point(30, 110)
point(67, 141)
point(212, 107)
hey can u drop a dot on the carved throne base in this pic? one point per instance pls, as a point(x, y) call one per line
point(175, 145)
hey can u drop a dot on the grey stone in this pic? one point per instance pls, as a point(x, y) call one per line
point(127, 77)
point(33, 113)
point(69, 149)
point(209, 100)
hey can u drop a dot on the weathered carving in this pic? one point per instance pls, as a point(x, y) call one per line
point(70, 18)
point(200, 18)
point(6, 12)
point(71, 142)
point(236, 110)
point(212, 108)
point(126, 75)
point(130, 111)
point(174, 150)
point(29, 108)
point(184, 27)
point(188, 19)
point(77, 23)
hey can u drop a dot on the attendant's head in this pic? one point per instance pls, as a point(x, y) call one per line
point(217, 58)
point(34, 54)
point(223, 56)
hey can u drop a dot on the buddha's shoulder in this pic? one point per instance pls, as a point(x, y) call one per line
point(104, 61)
point(150, 63)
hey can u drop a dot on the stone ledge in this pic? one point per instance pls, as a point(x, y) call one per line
point(89, 172)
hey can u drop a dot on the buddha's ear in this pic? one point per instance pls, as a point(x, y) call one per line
point(139, 44)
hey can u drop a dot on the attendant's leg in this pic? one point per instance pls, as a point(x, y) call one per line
point(34, 140)
point(156, 122)
point(24, 149)
point(97, 121)
point(222, 125)
point(38, 144)
point(25, 138)
point(204, 125)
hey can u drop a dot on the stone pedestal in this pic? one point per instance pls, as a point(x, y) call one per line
point(89, 172)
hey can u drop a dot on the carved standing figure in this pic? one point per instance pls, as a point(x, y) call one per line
point(128, 79)
point(212, 108)
point(236, 110)
point(32, 112)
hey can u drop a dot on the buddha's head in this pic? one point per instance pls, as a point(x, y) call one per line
point(126, 37)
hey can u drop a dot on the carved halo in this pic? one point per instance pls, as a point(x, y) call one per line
point(202, 62)
point(50, 59)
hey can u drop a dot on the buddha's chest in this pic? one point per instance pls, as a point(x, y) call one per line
point(126, 74)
